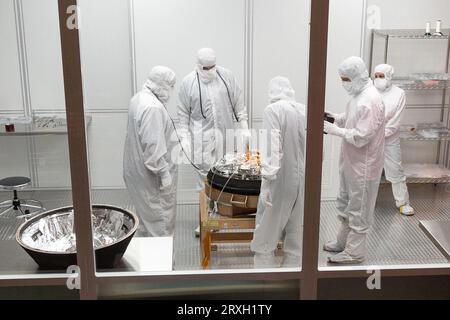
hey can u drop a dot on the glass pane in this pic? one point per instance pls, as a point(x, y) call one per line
point(390, 176)
point(36, 219)
point(182, 163)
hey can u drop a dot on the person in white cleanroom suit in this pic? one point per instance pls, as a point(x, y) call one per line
point(210, 103)
point(150, 172)
point(361, 128)
point(280, 207)
point(394, 100)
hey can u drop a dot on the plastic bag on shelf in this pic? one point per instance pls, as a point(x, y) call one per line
point(426, 171)
point(430, 76)
point(42, 122)
point(15, 120)
point(429, 134)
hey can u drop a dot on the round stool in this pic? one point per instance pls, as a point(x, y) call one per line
point(23, 206)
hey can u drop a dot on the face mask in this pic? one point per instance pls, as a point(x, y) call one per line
point(348, 86)
point(164, 96)
point(381, 84)
point(207, 75)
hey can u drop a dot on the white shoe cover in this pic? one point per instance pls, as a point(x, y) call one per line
point(344, 258)
point(407, 210)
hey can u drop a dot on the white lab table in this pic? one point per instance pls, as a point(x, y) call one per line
point(142, 255)
point(147, 255)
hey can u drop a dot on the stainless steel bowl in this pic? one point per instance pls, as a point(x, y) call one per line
point(110, 241)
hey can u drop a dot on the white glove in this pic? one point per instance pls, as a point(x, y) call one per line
point(166, 181)
point(267, 177)
point(246, 134)
point(266, 196)
point(243, 125)
point(333, 129)
point(267, 199)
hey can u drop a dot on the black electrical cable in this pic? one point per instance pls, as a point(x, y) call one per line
point(228, 92)
point(229, 96)
point(184, 151)
point(200, 94)
point(179, 139)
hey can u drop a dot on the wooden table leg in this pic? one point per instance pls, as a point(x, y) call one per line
point(205, 233)
point(206, 248)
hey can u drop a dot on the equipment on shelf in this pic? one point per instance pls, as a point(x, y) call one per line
point(438, 32)
point(10, 122)
point(36, 125)
point(49, 122)
point(426, 171)
point(409, 34)
point(428, 30)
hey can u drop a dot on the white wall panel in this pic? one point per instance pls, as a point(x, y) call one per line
point(281, 47)
point(106, 53)
point(13, 157)
point(414, 13)
point(52, 162)
point(106, 139)
point(43, 47)
point(10, 85)
point(170, 32)
point(344, 40)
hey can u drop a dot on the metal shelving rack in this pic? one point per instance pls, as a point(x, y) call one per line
point(413, 84)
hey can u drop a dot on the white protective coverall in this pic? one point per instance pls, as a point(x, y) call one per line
point(210, 103)
point(361, 162)
point(280, 207)
point(394, 100)
point(150, 172)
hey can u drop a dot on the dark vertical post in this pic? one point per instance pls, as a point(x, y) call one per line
point(73, 87)
point(313, 176)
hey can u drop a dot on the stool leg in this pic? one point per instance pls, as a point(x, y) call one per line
point(21, 211)
point(32, 207)
point(34, 203)
point(6, 211)
point(23, 214)
point(6, 204)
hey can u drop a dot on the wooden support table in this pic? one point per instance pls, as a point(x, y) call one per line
point(219, 229)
